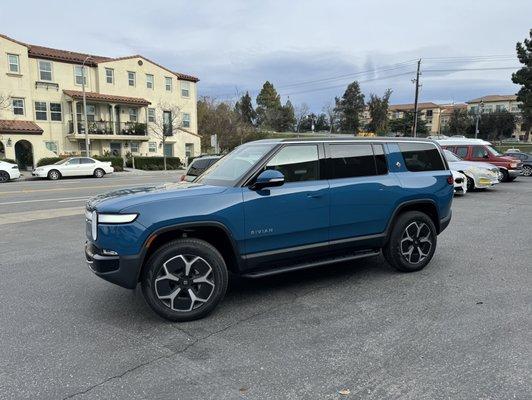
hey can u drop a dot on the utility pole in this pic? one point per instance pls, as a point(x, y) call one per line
point(414, 127)
point(479, 111)
point(85, 123)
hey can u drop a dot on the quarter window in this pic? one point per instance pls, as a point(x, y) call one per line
point(186, 120)
point(351, 160)
point(41, 111)
point(185, 89)
point(297, 163)
point(149, 81)
point(131, 78)
point(18, 106)
point(79, 75)
point(110, 75)
point(55, 112)
point(45, 70)
point(421, 157)
point(86, 160)
point(14, 63)
point(168, 83)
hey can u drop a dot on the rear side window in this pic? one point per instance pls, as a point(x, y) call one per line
point(87, 161)
point(461, 151)
point(73, 161)
point(297, 163)
point(351, 160)
point(380, 159)
point(421, 157)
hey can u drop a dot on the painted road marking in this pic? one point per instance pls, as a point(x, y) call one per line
point(72, 188)
point(27, 216)
point(60, 200)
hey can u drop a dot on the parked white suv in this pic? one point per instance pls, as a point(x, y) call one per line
point(74, 166)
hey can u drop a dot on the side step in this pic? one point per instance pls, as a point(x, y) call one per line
point(311, 264)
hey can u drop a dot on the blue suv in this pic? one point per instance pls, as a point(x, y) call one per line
point(268, 207)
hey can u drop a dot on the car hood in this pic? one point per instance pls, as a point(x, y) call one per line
point(117, 200)
point(463, 165)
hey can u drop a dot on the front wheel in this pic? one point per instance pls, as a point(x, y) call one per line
point(99, 173)
point(503, 175)
point(412, 242)
point(184, 280)
point(4, 176)
point(54, 175)
point(470, 184)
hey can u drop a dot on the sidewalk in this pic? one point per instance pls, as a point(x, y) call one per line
point(26, 175)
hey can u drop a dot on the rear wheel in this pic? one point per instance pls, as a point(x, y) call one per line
point(412, 242)
point(527, 170)
point(503, 176)
point(99, 173)
point(4, 176)
point(54, 175)
point(184, 280)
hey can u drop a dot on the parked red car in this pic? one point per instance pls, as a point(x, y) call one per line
point(482, 151)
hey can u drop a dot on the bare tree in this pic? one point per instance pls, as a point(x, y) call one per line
point(301, 111)
point(329, 110)
point(168, 121)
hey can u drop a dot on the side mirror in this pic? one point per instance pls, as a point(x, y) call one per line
point(268, 178)
point(486, 155)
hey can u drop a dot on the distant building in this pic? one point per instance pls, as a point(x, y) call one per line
point(447, 111)
point(428, 112)
point(125, 96)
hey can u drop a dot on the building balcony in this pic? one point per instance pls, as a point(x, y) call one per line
point(104, 130)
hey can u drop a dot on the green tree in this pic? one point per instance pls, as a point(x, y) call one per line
point(244, 108)
point(378, 111)
point(404, 125)
point(269, 110)
point(322, 123)
point(288, 118)
point(460, 122)
point(523, 77)
point(349, 108)
point(496, 125)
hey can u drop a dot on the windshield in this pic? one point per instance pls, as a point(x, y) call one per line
point(450, 156)
point(229, 169)
point(62, 161)
point(493, 151)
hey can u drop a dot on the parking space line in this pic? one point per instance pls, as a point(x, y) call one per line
point(27, 216)
point(60, 200)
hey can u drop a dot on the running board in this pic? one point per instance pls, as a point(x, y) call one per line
point(312, 264)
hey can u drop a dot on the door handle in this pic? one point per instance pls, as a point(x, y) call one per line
point(314, 195)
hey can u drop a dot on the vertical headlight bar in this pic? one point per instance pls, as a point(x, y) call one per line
point(94, 225)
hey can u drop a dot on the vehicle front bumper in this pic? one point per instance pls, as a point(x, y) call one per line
point(40, 174)
point(513, 173)
point(120, 270)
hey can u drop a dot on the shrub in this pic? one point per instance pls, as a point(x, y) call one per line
point(48, 161)
point(154, 163)
point(8, 160)
point(116, 162)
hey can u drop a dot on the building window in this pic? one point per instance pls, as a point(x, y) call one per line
point(52, 146)
point(168, 83)
point(56, 112)
point(110, 75)
point(82, 147)
point(14, 63)
point(91, 112)
point(78, 75)
point(18, 106)
point(152, 147)
point(131, 78)
point(429, 113)
point(151, 114)
point(134, 147)
point(500, 107)
point(186, 120)
point(133, 115)
point(185, 89)
point(189, 150)
point(41, 111)
point(45, 70)
point(149, 81)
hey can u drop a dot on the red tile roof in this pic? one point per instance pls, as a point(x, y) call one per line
point(78, 58)
point(494, 97)
point(408, 107)
point(78, 95)
point(17, 126)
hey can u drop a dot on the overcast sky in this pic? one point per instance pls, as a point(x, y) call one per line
point(309, 49)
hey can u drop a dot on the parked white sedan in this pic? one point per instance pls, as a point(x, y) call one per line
point(8, 171)
point(74, 166)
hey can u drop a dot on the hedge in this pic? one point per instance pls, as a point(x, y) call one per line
point(48, 160)
point(154, 163)
point(116, 162)
point(8, 160)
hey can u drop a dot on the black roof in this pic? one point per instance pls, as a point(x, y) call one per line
point(344, 138)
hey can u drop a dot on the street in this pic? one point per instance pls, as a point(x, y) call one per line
point(458, 329)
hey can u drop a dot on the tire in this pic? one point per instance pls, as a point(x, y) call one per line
point(527, 170)
point(417, 226)
point(98, 173)
point(54, 175)
point(511, 178)
point(4, 177)
point(504, 176)
point(178, 298)
point(470, 184)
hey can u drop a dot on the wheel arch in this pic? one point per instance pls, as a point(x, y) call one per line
point(214, 233)
point(426, 206)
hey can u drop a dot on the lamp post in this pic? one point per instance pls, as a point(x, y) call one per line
point(85, 123)
point(479, 111)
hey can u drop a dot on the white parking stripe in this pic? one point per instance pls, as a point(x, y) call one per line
point(60, 200)
point(27, 216)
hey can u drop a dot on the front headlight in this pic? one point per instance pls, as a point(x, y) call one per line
point(116, 218)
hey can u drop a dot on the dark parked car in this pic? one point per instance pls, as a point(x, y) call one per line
point(268, 207)
point(198, 166)
point(526, 158)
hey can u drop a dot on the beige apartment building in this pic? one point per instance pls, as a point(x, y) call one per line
point(131, 103)
point(428, 112)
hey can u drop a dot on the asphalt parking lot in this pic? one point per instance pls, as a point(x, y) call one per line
point(460, 329)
